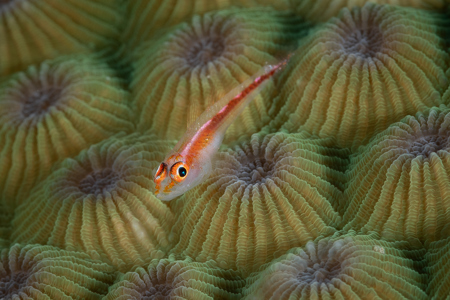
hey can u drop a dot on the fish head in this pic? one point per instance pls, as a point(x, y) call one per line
point(177, 175)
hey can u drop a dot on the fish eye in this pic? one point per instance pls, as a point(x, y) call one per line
point(182, 171)
point(179, 171)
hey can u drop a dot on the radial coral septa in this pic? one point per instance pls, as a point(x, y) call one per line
point(438, 267)
point(148, 18)
point(44, 272)
point(180, 74)
point(177, 279)
point(263, 197)
point(342, 266)
point(358, 73)
point(33, 31)
point(398, 184)
point(52, 111)
point(101, 202)
point(321, 11)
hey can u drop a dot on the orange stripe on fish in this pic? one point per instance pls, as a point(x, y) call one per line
point(190, 160)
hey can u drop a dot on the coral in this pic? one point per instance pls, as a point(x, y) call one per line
point(178, 75)
point(34, 30)
point(342, 267)
point(43, 272)
point(177, 279)
point(398, 184)
point(362, 71)
point(52, 111)
point(266, 196)
point(5, 227)
point(323, 10)
point(438, 266)
point(101, 203)
point(147, 17)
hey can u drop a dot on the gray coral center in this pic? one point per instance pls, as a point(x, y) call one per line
point(158, 292)
point(99, 182)
point(204, 50)
point(256, 170)
point(425, 145)
point(12, 284)
point(40, 100)
point(364, 42)
point(320, 271)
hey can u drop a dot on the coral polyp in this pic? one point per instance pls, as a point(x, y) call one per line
point(363, 70)
point(178, 75)
point(43, 272)
point(320, 10)
point(52, 111)
point(342, 267)
point(264, 197)
point(398, 183)
point(34, 30)
point(101, 203)
point(177, 279)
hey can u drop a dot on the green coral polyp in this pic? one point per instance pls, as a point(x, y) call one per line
point(398, 183)
point(101, 203)
point(52, 111)
point(344, 266)
point(32, 31)
point(177, 279)
point(263, 197)
point(362, 71)
point(44, 272)
point(179, 74)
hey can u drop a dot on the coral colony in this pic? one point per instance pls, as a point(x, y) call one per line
point(331, 182)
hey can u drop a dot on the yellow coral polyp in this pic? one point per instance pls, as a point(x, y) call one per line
point(345, 266)
point(177, 279)
point(34, 30)
point(101, 202)
point(263, 197)
point(358, 73)
point(52, 111)
point(180, 74)
point(44, 272)
point(399, 184)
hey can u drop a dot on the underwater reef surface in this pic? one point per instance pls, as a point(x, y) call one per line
point(333, 183)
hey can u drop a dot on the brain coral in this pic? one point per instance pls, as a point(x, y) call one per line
point(266, 196)
point(101, 202)
point(187, 69)
point(342, 267)
point(438, 266)
point(52, 111)
point(34, 30)
point(177, 279)
point(362, 71)
point(43, 272)
point(399, 183)
point(322, 10)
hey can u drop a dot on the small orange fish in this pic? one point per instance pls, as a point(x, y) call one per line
point(190, 161)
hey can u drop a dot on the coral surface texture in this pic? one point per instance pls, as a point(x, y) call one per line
point(224, 149)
